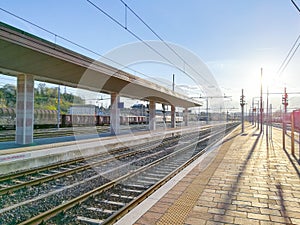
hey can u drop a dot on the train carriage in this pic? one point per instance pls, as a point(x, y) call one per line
point(48, 118)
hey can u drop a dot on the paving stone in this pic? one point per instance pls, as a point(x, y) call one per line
point(223, 218)
point(280, 219)
point(214, 223)
point(247, 221)
point(270, 223)
point(270, 211)
point(216, 211)
point(247, 183)
point(201, 215)
point(295, 220)
point(191, 221)
point(236, 213)
point(149, 218)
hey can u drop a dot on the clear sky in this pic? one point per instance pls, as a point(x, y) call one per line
point(234, 38)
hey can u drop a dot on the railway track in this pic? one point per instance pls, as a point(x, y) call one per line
point(72, 192)
point(9, 135)
point(31, 177)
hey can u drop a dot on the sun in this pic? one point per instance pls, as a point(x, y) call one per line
point(270, 79)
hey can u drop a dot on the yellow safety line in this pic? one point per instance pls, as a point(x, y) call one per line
point(177, 213)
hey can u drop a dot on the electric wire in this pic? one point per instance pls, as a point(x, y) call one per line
point(78, 45)
point(128, 30)
point(294, 3)
point(292, 50)
point(139, 38)
point(161, 39)
point(288, 57)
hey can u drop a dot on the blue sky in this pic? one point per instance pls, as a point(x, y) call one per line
point(234, 38)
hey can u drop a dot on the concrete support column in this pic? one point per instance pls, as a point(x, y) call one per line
point(24, 111)
point(114, 114)
point(173, 121)
point(185, 116)
point(152, 119)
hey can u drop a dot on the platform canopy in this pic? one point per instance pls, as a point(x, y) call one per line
point(23, 53)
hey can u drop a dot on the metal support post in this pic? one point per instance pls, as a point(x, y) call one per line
point(252, 111)
point(261, 102)
point(242, 103)
point(271, 118)
point(58, 106)
point(285, 103)
point(267, 119)
point(292, 134)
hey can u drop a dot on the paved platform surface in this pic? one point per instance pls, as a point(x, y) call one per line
point(248, 181)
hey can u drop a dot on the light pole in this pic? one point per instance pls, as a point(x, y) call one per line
point(242, 103)
point(267, 120)
point(261, 101)
point(285, 104)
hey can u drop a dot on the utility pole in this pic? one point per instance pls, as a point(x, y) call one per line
point(242, 103)
point(285, 104)
point(267, 120)
point(261, 101)
point(252, 111)
point(271, 115)
point(58, 106)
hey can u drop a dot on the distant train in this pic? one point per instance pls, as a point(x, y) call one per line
point(42, 118)
point(48, 118)
point(68, 120)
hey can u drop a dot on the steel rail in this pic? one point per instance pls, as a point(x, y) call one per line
point(78, 200)
point(40, 180)
point(128, 207)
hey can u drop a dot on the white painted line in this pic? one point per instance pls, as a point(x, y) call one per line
point(143, 207)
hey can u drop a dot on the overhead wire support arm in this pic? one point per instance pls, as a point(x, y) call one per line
point(207, 97)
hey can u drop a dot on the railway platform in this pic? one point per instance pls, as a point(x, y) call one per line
point(247, 179)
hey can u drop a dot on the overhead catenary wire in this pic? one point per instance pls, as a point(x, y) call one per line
point(161, 39)
point(139, 38)
point(289, 56)
point(128, 30)
point(77, 45)
point(296, 6)
point(292, 50)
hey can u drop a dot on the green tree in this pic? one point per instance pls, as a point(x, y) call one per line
point(44, 98)
point(9, 95)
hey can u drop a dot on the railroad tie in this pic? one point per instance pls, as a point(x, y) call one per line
point(177, 213)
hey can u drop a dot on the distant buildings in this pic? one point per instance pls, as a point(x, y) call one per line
point(82, 110)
